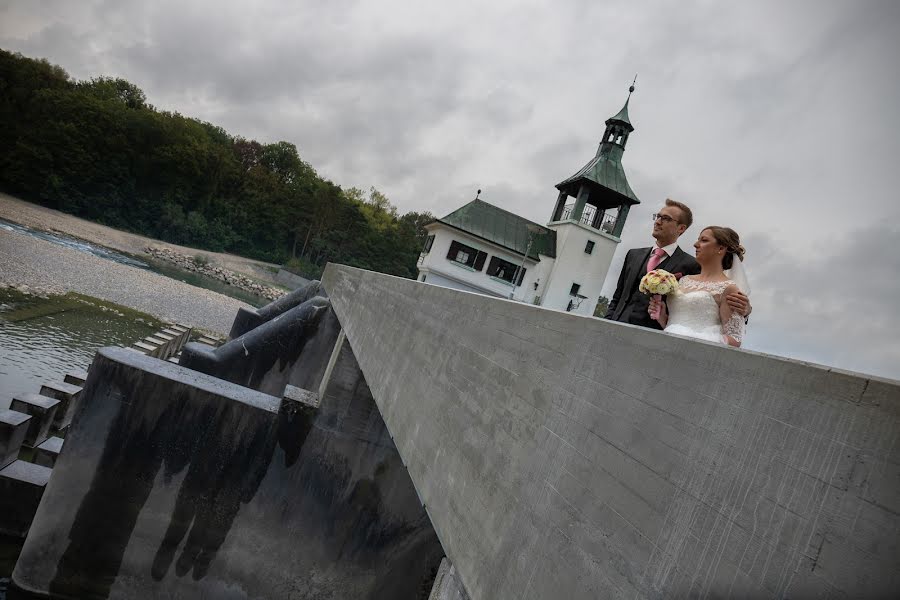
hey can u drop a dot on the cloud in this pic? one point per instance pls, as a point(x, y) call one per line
point(776, 118)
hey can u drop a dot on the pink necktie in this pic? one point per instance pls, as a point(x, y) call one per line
point(655, 259)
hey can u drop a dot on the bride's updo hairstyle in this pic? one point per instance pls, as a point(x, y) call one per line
point(728, 237)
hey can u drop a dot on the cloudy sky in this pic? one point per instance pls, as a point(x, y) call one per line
point(780, 119)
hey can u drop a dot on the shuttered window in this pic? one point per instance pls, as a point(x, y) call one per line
point(429, 242)
point(466, 255)
point(505, 270)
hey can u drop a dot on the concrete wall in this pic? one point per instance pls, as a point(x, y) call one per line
point(561, 456)
point(175, 484)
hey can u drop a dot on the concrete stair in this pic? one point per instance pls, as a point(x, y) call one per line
point(164, 344)
point(68, 396)
point(47, 453)
point(21, 486)
point(42, 410)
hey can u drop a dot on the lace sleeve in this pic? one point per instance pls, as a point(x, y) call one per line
point(734, 327)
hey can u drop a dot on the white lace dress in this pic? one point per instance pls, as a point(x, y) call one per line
point(694, 311)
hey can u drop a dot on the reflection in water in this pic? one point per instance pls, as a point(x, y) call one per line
point(41, 339)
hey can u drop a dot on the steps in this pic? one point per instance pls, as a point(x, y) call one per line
point(166, 343)
point(33, 429)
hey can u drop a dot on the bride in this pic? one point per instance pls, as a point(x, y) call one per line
point(699, 309)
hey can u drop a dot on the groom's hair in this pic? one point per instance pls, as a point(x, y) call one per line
point(687, 217)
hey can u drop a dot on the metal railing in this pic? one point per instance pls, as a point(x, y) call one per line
point(607, 222)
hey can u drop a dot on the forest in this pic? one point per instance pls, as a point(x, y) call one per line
point(99, 150)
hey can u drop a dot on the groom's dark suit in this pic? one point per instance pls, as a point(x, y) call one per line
point(628, 305)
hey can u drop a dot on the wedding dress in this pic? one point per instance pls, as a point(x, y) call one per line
point(694, 311)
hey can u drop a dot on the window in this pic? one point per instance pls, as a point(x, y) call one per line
point(429, 242)
point(466, 255)
point(505, 270)
point(589, 247)
point(573, 291)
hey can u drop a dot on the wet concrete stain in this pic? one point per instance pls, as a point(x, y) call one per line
point(337, 500)
point(226, 450)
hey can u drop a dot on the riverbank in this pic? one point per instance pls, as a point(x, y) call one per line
point(43, 267)
point(41, 218)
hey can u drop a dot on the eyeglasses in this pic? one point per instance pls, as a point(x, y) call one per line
point(663, 218)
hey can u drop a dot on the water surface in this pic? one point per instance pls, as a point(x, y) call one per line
point(41, 339)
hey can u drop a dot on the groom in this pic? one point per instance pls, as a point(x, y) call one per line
point(629, 305)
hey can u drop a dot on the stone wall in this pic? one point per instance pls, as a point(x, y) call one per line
point(561, 456)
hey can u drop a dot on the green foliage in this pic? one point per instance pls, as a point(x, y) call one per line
point(303, 268)
point(98, 150)
point(602, 307)
point(200, 260)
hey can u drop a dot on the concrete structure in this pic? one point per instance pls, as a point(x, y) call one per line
point(163, 344)
point(290, 280)
point(250, 318)
point(21, 487)
point(42, 410)
point(68, 396)
point(13, 430)
point(447, 584)
point(568, 457)
point(175, 484)
point(76, 377)
point(47, 453)
point(292, 348)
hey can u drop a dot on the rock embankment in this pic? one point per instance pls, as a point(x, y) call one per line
point(199, 265)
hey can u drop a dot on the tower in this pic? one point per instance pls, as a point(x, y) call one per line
point(588, 219)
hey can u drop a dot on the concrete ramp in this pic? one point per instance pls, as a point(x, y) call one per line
point(561, 456)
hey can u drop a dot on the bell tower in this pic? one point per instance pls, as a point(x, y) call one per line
point(588, 218)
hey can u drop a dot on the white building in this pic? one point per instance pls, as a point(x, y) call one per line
point(485, 249)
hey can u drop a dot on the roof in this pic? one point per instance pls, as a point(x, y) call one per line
point(622, 115)
point(604, 170)
point(501, 227)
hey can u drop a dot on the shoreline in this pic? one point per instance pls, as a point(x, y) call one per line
point(40, 267)
point(41, 218)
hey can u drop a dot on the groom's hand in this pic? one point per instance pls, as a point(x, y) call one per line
point(739, 303)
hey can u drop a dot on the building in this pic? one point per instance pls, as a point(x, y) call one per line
point(562, 265)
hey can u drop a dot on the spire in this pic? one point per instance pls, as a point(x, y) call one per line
point(622, 115)
point(604, 173)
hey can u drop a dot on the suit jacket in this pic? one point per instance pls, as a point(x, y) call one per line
point(628, 305)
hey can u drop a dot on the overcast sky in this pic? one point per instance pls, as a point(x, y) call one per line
point(779, 119)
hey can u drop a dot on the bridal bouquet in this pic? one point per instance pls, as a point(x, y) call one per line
point(659, 282)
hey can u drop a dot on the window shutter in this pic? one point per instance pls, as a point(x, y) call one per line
point(429, 241)
point(454, 250)
point(479, 260)
point(521, 275)
point(492, 266)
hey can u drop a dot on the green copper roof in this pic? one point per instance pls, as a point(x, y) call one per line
point(622, 115)
point(604, 170)
point(502, 227)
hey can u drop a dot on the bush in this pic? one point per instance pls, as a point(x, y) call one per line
point(303, 268)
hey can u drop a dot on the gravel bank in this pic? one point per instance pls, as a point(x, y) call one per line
point(51, 268)
point(46, 219)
